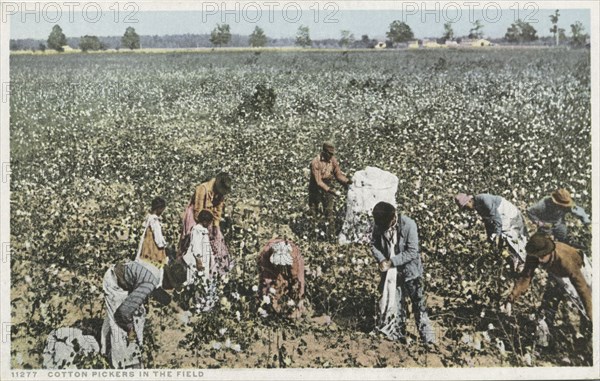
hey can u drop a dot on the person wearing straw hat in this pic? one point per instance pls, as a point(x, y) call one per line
point(126, 286)
point(324, 169)
point(570, 275)
point(395, 246)
point(281, 276)
point(549, 213)
point(504, 224)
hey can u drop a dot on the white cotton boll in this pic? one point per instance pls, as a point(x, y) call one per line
point(266, 299)
point(254, 288)
point(466, 338)
point(272, 291)
point(527, 359)
point(236, 347)
point(262, 312)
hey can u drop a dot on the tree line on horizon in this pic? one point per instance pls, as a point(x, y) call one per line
point(399, 33)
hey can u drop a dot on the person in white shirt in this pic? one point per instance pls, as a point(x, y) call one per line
point(152, 248)
point(201, 264)
point(199, 256)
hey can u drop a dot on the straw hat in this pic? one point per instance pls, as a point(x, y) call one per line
point(562, 197)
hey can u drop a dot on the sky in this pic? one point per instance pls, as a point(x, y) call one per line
point(325, 20)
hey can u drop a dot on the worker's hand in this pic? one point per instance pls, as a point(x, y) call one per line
point(385, 265)
point(131, 335)
point(199, 264)
point(498, 241)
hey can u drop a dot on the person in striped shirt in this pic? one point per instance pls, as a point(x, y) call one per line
point(126, 287)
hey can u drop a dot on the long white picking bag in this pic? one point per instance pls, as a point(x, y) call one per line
point(368, 187)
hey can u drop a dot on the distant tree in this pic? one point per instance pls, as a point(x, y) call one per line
point(448, 32)
point(130, 39)
point(258, 38)
point(554, 29)
point(476, 32)
point(399, 32)
point(347, 39)
point(42, 47)
point(578, 36)
point(364, 40)
point(303, 37)
point(87, 43)
point(57, 39)
point(562, 36)
point(221, 35)
point(520, 31)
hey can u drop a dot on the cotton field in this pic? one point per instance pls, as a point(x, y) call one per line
point(95, 137)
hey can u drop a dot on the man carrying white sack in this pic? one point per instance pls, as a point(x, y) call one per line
point(395, 246)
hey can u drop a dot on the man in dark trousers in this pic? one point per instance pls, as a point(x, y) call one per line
point(324, 168)
point(395, 246)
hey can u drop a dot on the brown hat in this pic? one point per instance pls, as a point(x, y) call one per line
point(562, 197)
point(329, 147)
point(539, 245)
point(223, 183)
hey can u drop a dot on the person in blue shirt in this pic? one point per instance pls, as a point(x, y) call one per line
point(395, 246)
point(504, 224)
point(549, 213)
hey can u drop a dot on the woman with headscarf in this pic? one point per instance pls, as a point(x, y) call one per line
point(281, 272)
